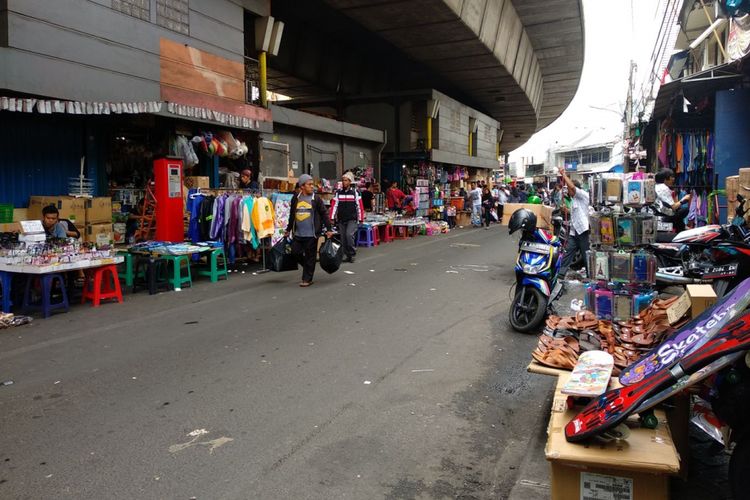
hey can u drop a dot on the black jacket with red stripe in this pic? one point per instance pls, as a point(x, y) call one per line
point(347, 206)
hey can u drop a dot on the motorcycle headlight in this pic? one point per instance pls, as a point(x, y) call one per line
point(531, 269)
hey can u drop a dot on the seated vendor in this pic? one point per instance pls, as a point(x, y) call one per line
point(51, 223)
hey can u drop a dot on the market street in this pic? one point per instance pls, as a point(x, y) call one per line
point(402, 380)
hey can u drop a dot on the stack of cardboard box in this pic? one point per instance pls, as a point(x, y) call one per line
point(99, 221)
point(543, 213)
point(737, 184)
point(92, 216)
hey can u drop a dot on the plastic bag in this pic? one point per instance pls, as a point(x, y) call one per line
point(331, 256)
point(281, 258)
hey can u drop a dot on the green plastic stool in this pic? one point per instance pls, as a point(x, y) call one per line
point(128, 267)
point(178, 279)
point(213, 271)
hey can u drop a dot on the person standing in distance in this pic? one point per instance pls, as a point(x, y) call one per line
point(579, 222)
point(348, 211)
point(307, 216)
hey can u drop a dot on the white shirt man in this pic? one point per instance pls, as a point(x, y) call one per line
point(578, 239)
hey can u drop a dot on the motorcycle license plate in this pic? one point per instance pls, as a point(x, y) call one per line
point(726, 271)
point(534, 247)
point(664, 226)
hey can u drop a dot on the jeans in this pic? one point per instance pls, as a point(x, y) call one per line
point(476, 215)
point(577, 242)
point(678, 219)
point(500, 213)
point(306, 250)
point(348, 232)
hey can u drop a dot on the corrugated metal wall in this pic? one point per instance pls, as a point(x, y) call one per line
point(38, 154)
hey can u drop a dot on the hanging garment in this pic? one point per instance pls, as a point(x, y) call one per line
point(678, 153)
point(206, 216)
point(663, 146)
point(194, 206)
point(263, 217)
point(217, 225)
point(248, 230)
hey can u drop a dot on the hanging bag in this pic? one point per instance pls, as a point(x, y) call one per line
point(281, 258)
point(331, 256)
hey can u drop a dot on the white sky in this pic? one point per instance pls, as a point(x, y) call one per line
point(617, 31)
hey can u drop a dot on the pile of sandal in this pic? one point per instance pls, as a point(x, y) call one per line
point(8, 320)
point(564, 338)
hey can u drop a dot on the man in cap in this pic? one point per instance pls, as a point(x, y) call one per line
point(307, 216)
point(246, 180)
point(348, 211)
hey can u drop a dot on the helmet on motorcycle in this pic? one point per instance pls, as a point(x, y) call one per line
point(522, 219)
point(534, 200)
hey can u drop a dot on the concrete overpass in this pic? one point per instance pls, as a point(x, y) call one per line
point(518, 61)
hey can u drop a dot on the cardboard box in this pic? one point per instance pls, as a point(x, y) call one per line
point(10, 227)
point(100, 234)
point(732, 187)
point(638, 469)
point(744, 177)
point(73, 209)
point(543, 213)
point(20, 214)
point(98, 210)
point(701, 298)
point(197, 182)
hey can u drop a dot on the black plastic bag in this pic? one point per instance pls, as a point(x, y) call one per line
point(331, 256)
point(280, 257)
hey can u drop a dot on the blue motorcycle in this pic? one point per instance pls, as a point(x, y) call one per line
point(537, 269)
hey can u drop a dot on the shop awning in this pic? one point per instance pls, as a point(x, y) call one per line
point(162, 108)
point(600, 169)
point(695, 87)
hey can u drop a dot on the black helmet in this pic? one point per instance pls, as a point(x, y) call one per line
point(522, 219)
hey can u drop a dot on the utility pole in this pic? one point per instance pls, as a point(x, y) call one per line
point(628, 111)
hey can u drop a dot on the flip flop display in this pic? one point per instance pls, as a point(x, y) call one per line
point(565, 338)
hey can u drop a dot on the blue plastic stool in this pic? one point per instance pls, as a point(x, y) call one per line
point(5, 279)
point(366, 237)
point(46, 306)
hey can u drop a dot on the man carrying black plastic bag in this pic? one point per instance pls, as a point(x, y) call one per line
point(331, 256)
point(307, 217)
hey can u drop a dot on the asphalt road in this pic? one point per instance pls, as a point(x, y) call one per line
point(399, 381)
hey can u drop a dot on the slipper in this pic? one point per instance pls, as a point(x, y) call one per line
point(305, 284)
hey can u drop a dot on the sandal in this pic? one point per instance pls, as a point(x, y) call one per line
point(305, 284)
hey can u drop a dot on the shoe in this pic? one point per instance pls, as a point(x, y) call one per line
point(351, 260)
point(305, 284)
point(487, 228)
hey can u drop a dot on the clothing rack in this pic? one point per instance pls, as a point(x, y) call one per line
point(257, 193)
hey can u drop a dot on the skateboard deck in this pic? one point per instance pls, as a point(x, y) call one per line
point(690, 337)
point(591, 374)
point(613, 407)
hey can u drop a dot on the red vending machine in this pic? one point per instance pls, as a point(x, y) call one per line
point(169, 202)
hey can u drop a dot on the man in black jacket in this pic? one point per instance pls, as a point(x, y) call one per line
point(307, 217)
point(348, 210)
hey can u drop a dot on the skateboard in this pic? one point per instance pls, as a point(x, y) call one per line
point(690, 337)
point(590, 377)
point(613, 407)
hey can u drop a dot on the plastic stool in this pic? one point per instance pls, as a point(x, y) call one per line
point(5, 279)
point(402, 233)
point(177, 278)
point(46, 306)
point(151, 272)
point(388, 234)
point(102, 283)
point(365, 237)
point(128, 267)
point(213, 271)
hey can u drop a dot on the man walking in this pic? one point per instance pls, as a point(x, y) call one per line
point(579, 222)
point(475, 195)
point(307, 216)
point(348, 211)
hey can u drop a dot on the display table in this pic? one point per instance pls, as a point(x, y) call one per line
point(407, 228)
point(638, 468)
point(82, 265)
point(159, 255)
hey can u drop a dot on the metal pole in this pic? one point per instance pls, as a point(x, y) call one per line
point(716, 35)
point(263, 73)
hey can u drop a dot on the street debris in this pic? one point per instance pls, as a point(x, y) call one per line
point(367, 382)
point(423, 370)
point(349, 272)
point(7, 382)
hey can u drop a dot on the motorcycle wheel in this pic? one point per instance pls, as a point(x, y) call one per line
point(739, 467)
point(527, 310)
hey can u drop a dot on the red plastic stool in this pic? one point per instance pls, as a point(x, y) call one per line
point(102, 283)
point(387, 233)
point(402, 233)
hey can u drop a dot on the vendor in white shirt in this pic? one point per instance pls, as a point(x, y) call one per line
point(579, 222)
point(666, 204)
